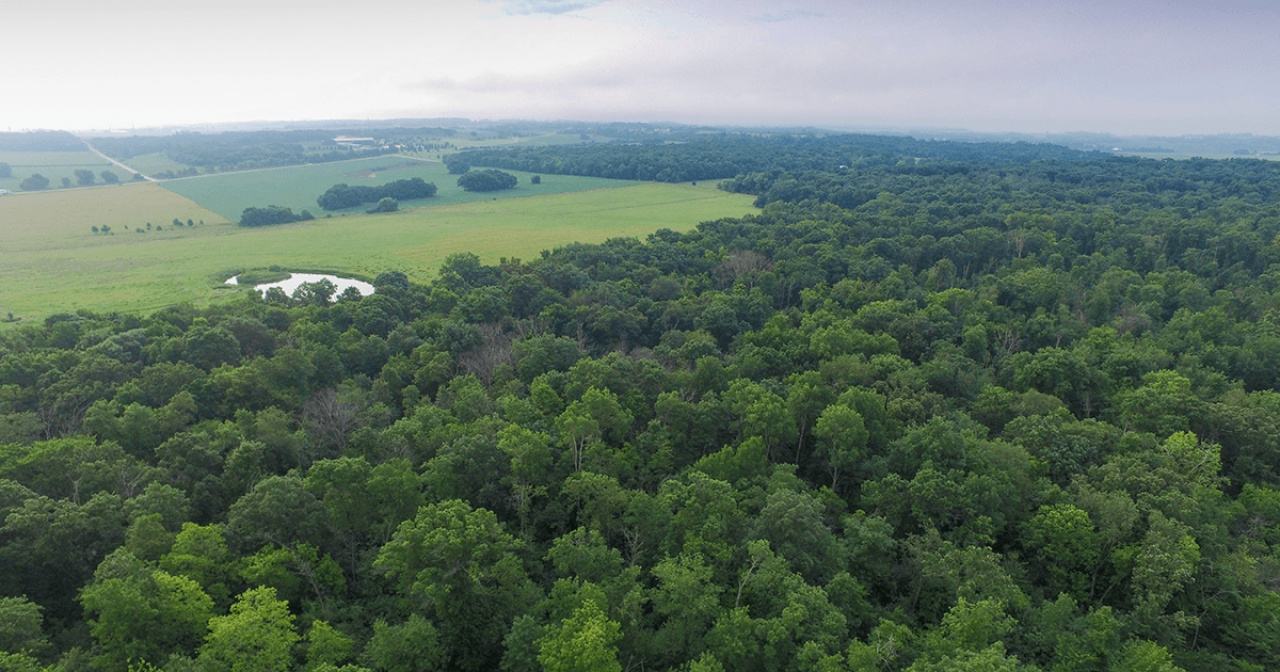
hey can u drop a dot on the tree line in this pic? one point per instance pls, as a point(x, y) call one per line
point(729, 155)
point(342, 196)
point(272, 214)
point(40, 141)
point(982, 420)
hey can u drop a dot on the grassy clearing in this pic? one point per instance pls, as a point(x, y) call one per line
point(55, 166)
point(298, 187)
point(61, 267)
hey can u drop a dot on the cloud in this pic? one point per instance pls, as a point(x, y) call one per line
point(527, 7)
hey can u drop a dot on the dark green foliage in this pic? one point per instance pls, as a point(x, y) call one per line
point(727, 156)
point(272, 214)
point(110, 177)
point(487, 180)
point(40, 141)
point(926, 413)
point(385, 205)
point(341, 196)
point(5, 170)
point(35, 182)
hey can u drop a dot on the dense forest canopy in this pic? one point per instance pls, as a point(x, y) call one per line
point(724, 155)
point(40, 141)
point(920, 413)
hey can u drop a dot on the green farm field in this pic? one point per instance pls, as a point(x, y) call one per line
point(51, 263)
point(150, 164)
point(55, 166)
point(298, 187)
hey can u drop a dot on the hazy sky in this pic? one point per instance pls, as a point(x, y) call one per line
point(1161, 67)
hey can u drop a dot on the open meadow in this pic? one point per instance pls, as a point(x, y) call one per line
point(298, 187)
point(55, 166)
point(51, 262)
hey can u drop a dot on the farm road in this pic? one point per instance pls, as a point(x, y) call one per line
point(131, 171)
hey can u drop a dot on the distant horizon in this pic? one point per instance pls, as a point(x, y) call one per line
point(300, 124)
point(1160, 68)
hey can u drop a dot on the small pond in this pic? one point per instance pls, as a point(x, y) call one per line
point(297, 279)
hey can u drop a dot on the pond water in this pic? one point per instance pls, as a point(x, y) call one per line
point(297, 279)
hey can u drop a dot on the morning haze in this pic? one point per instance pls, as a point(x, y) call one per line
point(1131, 67)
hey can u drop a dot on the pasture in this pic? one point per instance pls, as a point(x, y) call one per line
point(52, 263)
point(55, 166)
point(298, 187)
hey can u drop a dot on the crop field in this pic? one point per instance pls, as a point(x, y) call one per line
point(50, 262)
point(150, 164)
point(55, 166)
point(298, 187)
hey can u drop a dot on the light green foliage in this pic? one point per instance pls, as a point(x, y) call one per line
point(257, 636)
point(1144, 656)
point(412, 646)
point(461, 565)
point(890, 646)
point(584, 642)
point(688, 602)
point(20, 631)
point(143, 614)
point(1077, 642)
point(199, 552)
point(19, 662)
point(1199, 462)
point(1067, 545)
point(775, 614)
point(991, 659)
point(326, 646)
point(842, 439)
point(1165, 562)
point(1163, 405)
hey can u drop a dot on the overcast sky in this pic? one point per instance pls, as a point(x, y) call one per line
point(1166, 67)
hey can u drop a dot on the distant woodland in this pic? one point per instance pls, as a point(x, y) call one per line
point(40, 141)
point(730, 155)
point(937, 406)
point(239, 150)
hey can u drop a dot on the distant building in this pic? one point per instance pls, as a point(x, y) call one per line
point(351, 141)
point(4, 192)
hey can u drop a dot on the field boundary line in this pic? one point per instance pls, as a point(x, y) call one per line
point(132, 171)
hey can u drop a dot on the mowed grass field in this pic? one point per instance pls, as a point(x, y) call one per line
point(298, 187)
point(55, 166)
point(50, 262)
